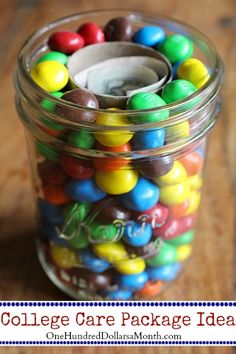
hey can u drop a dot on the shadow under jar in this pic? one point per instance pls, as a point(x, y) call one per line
point(117, 190)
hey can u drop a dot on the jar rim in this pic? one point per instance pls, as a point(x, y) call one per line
point(214, 82)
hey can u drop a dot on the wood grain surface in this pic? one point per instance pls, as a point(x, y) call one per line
point(211, 271)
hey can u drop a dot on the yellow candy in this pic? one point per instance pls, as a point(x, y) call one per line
point(178, 131)
point(130, 266)
point(194, 202)
point(183, 252)
point(194, 71)
point(112, 252)
point(195, 182)
point(116, 182)
point(176, 194)
point(50, 75)
point(176, 175)
point(113, 138)
point(63, 257)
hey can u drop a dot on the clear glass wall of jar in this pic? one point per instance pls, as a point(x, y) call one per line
point(115, 223)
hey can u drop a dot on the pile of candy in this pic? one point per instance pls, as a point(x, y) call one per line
point(113, 226)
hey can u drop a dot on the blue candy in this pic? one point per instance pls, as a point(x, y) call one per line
point(119, 294)
point(51, 212)
point(165, 273)
point(142, 197)
point(149, 36)
point(94, 263)
point(49, 230)
point(84, 190)
point(132, 282)
point(136, 234)
point(175, 68)
point(149, 140)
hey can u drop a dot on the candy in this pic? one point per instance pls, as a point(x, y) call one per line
point(51, 212)
point(150, 289)
point(174, 227)
point(179, 210)
point(183, 252)
point(194, 199)
point(177, 90)
point(142, 197)
point(63, 257)
point(186, 237)
point(157, 215)
point(119, 294)
point(55, 129)
point(81, 139)
point(176, 175)
point(94, 263)
point(77, 168)
point(176, 47)
point(118, 29)
point(116, 182)
point(165, 273)
point(47, 151)
point(150, 139)
point(50, 75)
point(147, 100)
point(50, 230)
point(148, 250)
point(84, 190)
point(175, 194)
point(77, 211)
point(167, 255)
point(149, 36)
point(51, 172)
point(81, 98)
point(113, 138)
point(195, 182)
point(178, 131)
point(111, 163)
point(155, 167)
point(111, 210)
point(192, 162)
point(112, 252)
point(55, 194)
point(132, 282)
point(194, 71)
point(65, 41)
point(87, 280)
point(103, 232)
point(55, 56)
point(91, 33)
point(136, 234)
point(130, 266)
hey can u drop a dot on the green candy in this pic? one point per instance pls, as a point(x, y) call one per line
point(177, 90)
point(147, 100)
point(47, 151)
point(103, 232)
point(82, 139)
point(74, 214)
point(176, 47)
point(183, 239)
point(50, 106)
point(167, 255)
point(55, 56)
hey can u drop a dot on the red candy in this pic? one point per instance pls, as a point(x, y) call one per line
point(111, 163)
point(91, 33)
point(175, 227)
point(51, 172)
point(76, 168)
point(55, 194)
point(192, 162)
point(65, 41)
point(157, 215)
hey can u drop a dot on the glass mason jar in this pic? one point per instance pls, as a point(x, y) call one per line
point(115, 221)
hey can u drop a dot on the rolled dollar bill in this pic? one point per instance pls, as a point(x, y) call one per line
point(114, 71)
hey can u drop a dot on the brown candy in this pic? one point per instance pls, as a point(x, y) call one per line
point(86, 280)
point(118, 29)
point(82, 98)
point(110, 210)
point(155, 167)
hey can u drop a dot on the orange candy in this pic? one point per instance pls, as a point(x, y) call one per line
point(55, 194)
point(111, 163)
point(150, 289)
point(179, 210)
point(192, 162)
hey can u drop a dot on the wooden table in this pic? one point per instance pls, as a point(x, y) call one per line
point(210, 274)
